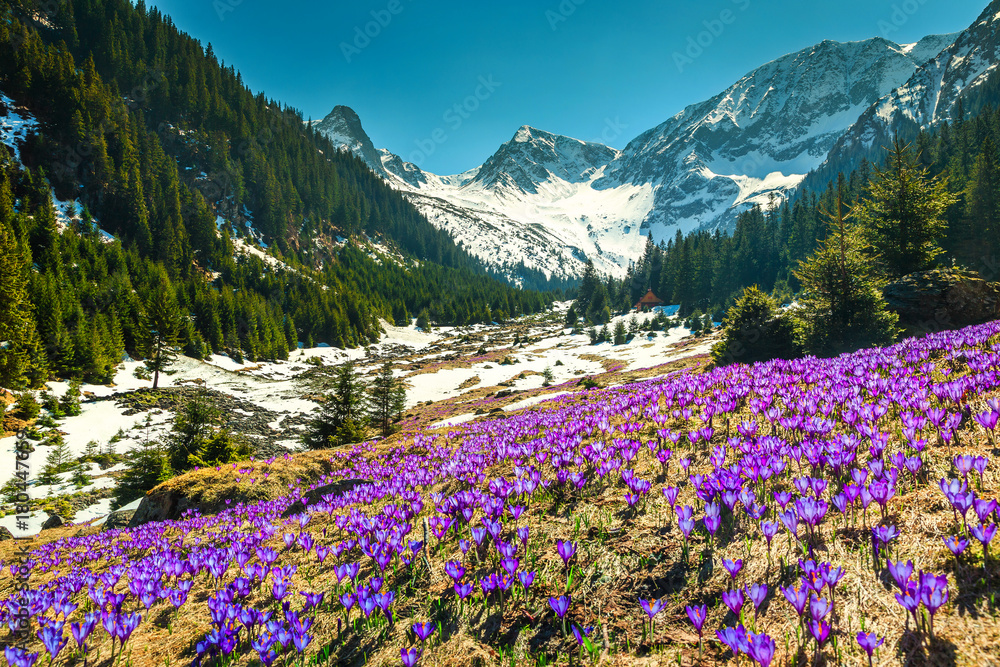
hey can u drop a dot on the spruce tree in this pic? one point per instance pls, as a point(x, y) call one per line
point(58, 461)
point(903, 214)
point(619, 335)
point(22, 361)
point(192, 430)
point(842, 304)
point(588, 285)
point(341, 419)
point(159, 328)
point(386, 400)
point(982, 204)
point(146, 467)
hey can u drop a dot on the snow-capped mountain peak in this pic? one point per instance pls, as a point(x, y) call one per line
point(545, 202)
point(533, 157)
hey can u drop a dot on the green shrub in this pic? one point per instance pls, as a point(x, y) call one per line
point(754, 330)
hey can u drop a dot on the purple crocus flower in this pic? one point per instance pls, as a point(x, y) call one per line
point(409, 656)
point(82, 631)
point(984, 533)
point(909, 599)
point(733, 567)
point(734, 600)
point(757, 593)
point(735, 639)
point(818, 608)
point(463, 590)
point(566, 550)
point(798, 598)
point(933, 593)
point(17, 657)
point(581, 634)
point(53, 639)
point(697, 614)
point(956, 545)
point(761, 649)
point(423, 631)
point(900, 572)
point(454, 570)
point(791, 521)
point(769, 529)
point(560, 605)
point(979, 465)
point(651, 607)
point(984, 508)
point(820, 630)
point(869, 642)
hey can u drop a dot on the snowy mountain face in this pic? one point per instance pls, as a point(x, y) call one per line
point(930, 96)
point(761, 136)
point(548, 202)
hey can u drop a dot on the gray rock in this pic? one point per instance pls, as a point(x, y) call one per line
point(160, 505)
point(54, 521)
point(119, 519)
point(943, 299)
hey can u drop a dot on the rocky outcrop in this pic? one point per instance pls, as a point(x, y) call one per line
point(119, 519)
point(54, 521)
point(165, 504)
point(943, 299)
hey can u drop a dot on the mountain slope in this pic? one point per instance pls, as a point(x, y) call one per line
point(763, 134)
point(930, 96)
point(548, 202)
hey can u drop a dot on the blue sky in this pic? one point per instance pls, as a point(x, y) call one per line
point(592, 69)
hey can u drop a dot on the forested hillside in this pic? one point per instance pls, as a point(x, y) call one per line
point(158, 144)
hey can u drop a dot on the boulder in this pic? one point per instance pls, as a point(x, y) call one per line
point(943, 299)
point(54, 521)
point(314, 496)
point(160, 504)
point(119, 519)
point(5, 534)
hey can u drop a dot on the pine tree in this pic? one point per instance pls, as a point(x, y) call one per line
point(341, 419)
point(386, 400)
point(842, 304)
point(22, 361)
point(619, 335)
point(146, 467)
point(70, 402)
point(903, 214)
point(588, 285)
point(192, 430)
point(159, 328)
point(58, 461)
point(982, 203)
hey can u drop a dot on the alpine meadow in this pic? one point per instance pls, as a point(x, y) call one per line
point(723, 391)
